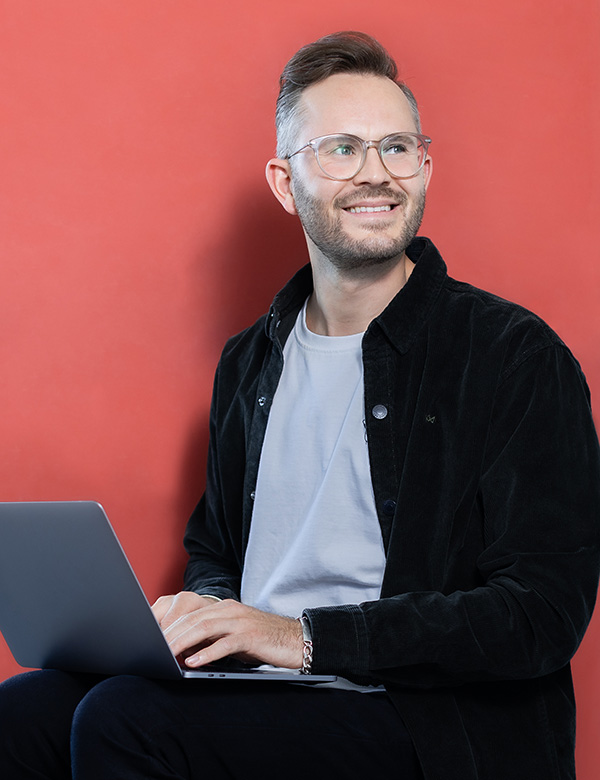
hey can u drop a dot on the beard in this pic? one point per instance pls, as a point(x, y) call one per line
point(351, 254)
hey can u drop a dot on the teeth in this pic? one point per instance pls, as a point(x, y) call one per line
point(368, 209)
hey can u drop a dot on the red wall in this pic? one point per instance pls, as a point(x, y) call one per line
point(137, 232)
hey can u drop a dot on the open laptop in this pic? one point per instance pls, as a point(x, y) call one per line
point(70, 600)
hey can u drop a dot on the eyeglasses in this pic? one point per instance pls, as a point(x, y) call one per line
point(341, 157)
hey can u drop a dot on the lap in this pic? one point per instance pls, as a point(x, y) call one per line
point(224, 727)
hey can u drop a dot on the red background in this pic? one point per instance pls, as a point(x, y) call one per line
point(137, 232)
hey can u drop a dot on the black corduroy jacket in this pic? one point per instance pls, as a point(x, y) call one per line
point(486, 474)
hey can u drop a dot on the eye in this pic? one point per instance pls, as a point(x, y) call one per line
point(339, 146)
point(399, 144)
point(344, 150)
point(395, 149)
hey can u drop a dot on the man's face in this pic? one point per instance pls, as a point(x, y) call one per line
point(333, 212)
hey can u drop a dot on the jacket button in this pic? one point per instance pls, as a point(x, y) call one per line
point(262, 401)
point(389, 507)
point(379, 412)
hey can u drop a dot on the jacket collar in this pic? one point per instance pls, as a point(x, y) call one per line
point(400, 321)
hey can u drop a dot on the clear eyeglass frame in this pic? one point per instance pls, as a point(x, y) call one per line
point(423, 142)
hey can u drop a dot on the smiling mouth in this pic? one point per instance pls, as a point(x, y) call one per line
point(369, 209)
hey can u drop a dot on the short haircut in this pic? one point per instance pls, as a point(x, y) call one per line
point(341, 52)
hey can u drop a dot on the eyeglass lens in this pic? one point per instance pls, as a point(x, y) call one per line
point(341, 156)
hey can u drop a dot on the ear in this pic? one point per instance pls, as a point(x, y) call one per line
point(427, 170)
point(279, 177)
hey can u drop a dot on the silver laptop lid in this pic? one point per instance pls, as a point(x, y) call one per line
point(68, 596)
point(70, 600)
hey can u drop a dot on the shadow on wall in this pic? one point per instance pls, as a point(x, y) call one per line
point(263, 249)
point(193, 471)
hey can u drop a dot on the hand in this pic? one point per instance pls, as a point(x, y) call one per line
point(213, 630)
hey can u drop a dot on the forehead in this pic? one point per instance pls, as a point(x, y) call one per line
point(365, 105)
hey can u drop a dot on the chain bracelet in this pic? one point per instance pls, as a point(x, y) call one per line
point(307, 646)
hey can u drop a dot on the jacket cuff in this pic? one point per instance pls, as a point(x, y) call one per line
point(340, 640)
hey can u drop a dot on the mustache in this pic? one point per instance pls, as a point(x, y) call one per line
point(366, 193)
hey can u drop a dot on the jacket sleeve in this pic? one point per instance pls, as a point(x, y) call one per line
point(539, 496)
point(210, 569)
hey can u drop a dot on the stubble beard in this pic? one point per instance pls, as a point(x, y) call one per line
point(349, 254)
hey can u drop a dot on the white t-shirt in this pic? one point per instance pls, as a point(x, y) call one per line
point(315, 538)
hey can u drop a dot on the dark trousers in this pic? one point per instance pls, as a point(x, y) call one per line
point(60, 726)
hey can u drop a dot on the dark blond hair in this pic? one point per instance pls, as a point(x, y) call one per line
point(341, 52)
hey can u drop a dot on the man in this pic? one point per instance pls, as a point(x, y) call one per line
point(405, 462)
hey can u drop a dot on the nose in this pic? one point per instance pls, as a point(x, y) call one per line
point(373, 170)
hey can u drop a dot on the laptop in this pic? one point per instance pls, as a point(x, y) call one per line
point(70, 600)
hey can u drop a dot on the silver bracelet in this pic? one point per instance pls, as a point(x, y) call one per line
point(307, 646)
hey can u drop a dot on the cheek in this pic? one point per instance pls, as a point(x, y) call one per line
point(414, 192)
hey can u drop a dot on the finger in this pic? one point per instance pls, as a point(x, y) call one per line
point(178, 606)
point(161, 606)
point(197, 629)
point(222, 648)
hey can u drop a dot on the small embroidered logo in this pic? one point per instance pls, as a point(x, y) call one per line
point(430, 419)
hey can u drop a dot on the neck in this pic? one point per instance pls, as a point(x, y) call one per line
point(344, 303)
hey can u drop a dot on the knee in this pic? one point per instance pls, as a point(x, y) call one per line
point(33, 697)
point(112, 708)
point(36, 709)
point(113, 697)
point(13, 693)
point(113, 728)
